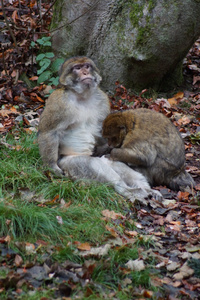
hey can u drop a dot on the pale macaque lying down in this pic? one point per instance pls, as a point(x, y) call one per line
point(126, 181)
point(70, 128)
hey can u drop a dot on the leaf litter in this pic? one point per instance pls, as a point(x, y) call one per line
point(170, 229)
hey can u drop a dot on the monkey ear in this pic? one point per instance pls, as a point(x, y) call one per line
point(98, 78)
point(122, 128)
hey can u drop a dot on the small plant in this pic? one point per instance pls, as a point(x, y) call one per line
point(195, 138)
point(48, 68)
point(195, 265)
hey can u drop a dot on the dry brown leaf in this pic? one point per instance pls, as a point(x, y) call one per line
point(184, 120)
point(112, 231)
point(172, 266)
point(98, 251)
point(111, 214)
point(182, 195)
point(18, 260)
point(173, 100)
point(84, 246)
point(131, 233)
point(184, 272)
point(195, 79)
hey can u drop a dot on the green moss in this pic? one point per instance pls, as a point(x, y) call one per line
point(152, 4)
point(57, 14)
point(135, 13)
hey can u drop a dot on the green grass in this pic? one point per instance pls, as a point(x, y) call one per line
point(22, 171)
point(27, 213)
point(31, 295)
point(29, 221)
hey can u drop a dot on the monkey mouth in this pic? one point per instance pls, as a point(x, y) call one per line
point(87, 80)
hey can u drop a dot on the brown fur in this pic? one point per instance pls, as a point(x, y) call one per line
point(70, 127)
point(148, 142)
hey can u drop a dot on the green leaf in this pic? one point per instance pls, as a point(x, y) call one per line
point(44, 40)
point(55, 66)
point(49, 54)
point(44, 76)
point(45, 62)
point(54, 80)
point(40, 56)
point(47, 43)
point(33, 44)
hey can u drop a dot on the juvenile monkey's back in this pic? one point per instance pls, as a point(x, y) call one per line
point(154, 124)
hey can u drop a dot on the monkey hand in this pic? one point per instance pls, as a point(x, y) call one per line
point(142, 195)
point(155, 194)
point(56, 170)
point(101, 150)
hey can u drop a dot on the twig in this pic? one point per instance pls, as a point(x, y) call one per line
point(67, 24)
point(10, 30)
point(40, 20)
point(4, 63)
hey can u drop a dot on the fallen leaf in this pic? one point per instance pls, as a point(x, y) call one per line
point(184, 120)
point(59, 219)
point(84, 246)
point(183, 195)
point(167, 202)
point(131, 233)
point(98, 251)
point(174, 99)
point(184, 272)
point(18, 260)
point(172, 266)
point(112, 231)
point(195, 79)
point(111, 214)
point(30, 248)
point(135, 265)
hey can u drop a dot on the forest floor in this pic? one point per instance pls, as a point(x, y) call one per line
point(141, 252)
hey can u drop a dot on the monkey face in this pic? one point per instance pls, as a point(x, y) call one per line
point(79, 74)
point(83, 73)
point(114, 135)
point(114, 129)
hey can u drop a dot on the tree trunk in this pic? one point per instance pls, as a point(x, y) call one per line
point(140, 43)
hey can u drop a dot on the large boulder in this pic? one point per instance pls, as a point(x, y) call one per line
point(140, 43)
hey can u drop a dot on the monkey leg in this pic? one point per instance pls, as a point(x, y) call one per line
point(181, 181)
point(133, 179)
point(106, 171)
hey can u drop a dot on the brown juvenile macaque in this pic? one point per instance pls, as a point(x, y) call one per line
point(149, 143)
point(70, 127)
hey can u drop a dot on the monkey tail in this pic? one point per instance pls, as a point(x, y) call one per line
point(181, 181)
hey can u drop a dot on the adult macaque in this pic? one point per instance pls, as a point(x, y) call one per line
point(148, 142)
point(70, 127)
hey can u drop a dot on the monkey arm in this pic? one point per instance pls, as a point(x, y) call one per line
point(48, 145)
point(143, 156)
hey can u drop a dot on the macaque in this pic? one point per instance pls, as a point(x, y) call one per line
point(70, 128)
point(148, 142)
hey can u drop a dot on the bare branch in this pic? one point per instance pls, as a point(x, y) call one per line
point(9, 28)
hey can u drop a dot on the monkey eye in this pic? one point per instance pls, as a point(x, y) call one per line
point(77, 67)
point(87, 66)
